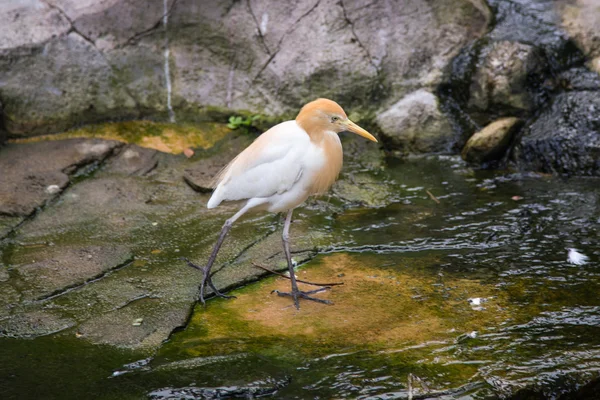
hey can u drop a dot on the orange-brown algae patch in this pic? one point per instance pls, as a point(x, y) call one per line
point(378, 306)
point(165, 137)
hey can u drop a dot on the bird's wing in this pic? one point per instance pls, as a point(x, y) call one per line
point(270, 165)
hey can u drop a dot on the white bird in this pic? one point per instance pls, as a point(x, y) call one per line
point(280, 170)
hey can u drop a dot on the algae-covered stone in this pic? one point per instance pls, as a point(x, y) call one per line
point(42, 272)
point(491, 142)
point(416, 123)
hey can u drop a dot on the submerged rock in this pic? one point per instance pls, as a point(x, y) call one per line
point(417, 124)
point(565, 138)
point(491, 142)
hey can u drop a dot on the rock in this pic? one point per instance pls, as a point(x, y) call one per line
point(65, 62)
point(530, 22)
point(565, 138)
point(202, 173)
point(30, 24)
point(33, 172)
point(491, 142)
point(581, 19)
point(502, 83)
point(595, 64)
point(579, 79)
point(133, 160)
point(7, 223)
point(3, 273)
point(44, 271)
point(416, 123)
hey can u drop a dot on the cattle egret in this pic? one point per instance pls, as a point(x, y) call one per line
point(279, 171)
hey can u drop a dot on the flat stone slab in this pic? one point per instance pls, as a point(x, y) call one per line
point(34, 173)
point(45, 272)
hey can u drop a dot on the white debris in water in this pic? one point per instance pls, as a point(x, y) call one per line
point(138, 322)
point(53, 189)
point(576, 257)
point(154, 223)
point(475, 301)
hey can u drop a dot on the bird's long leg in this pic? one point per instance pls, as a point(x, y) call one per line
point(295, 294)
point(206, 278)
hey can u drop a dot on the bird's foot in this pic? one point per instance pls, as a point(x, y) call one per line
point(206, 280)
point(297, 295)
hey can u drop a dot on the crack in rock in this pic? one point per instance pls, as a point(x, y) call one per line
point(360, 44)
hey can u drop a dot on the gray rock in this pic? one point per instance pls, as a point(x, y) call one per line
point(54, 87)
point(46, 271)
point(32, 174)
point(133, 160)
point(491, 142)
point(501, 83)
point(579, 79)
point(28, 24)
point(566, 137)
point(200, 175)
point(534, 22)
point(65, 62)
point(416, 123)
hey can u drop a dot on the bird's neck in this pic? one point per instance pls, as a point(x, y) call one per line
point(331, 147)
point(316, 128)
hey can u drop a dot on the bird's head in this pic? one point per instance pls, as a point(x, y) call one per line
point(323, 115)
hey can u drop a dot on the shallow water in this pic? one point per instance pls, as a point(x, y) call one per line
point(471, 296)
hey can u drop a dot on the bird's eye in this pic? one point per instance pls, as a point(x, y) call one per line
point(334, 119)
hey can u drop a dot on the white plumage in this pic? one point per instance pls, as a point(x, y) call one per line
point(275, 172)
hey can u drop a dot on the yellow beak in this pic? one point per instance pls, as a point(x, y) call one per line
point(352, 127)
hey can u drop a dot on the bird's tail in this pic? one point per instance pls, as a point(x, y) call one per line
point(215, 199)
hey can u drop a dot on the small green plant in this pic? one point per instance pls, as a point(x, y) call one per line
point(236, 121)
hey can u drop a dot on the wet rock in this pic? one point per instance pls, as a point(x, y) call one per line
point(116, 327)
point(133, 160)
point(491, 142)
point(201, 174)
point(43, 272)
point(579, 79)
point(7, 223)
point(66, 62)
point(565, 138)
point(595, 65)
point(3, 273)
point(417, 124)
point(503, 82)
point(35, 173)
point(530, 21)
point(581, 19)
point(35, 323)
